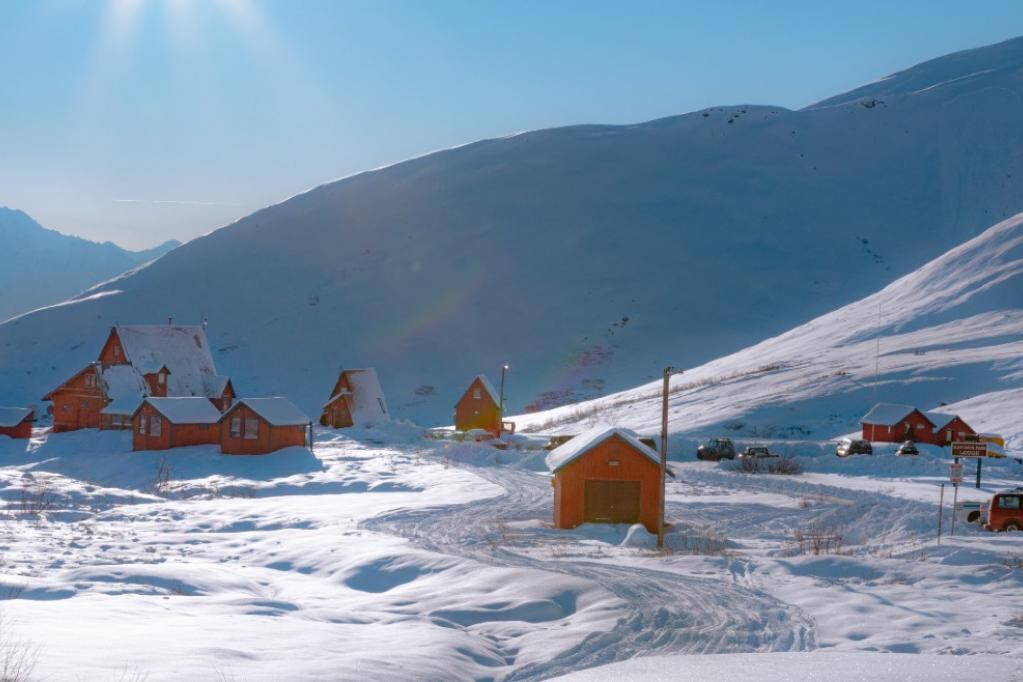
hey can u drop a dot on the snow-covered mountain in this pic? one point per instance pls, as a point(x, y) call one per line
point(40, 267)
point(587, 257)
point(949, 334)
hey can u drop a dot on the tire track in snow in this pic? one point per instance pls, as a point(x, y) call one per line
point(666, 612)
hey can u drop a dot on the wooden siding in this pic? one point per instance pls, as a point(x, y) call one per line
point(77, 404)
point(598, 465)
point(914, 426)
point(955, 430)
point(22, 430)
point(268, 438)
point(478, 413)
point(171, 435)
point(113, 350)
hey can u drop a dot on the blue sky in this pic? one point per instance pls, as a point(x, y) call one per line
point(142, 120)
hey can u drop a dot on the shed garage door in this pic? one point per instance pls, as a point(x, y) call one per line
point(611, 502)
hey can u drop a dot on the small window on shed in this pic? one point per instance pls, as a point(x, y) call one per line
point(155, 425)
point(142, 425)
point(476, 393)
point(251, 429)
point(380, 401)
point(236, 427)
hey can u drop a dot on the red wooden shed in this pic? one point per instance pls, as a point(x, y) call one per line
point(357, 400)
point(479, 407)
point(16, 422)
point(257, 426)
point(949, 428)
point(605, 476)
point(78, 401)
point(890, 423)
point(164, 423)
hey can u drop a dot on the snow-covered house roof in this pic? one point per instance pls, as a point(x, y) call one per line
point(185, 410)
point(587, 440)
point(487, 386)
point(368, 406)
point(183, 350)
point(887, 414)
point(939, 419)
point(124, 386)
point(276, 411)
point(12, 416)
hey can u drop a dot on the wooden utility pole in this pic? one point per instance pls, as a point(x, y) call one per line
point(664, 455)
point(500, 425)
point(941, 507)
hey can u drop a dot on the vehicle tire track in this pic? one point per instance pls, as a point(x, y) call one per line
point(666, 612)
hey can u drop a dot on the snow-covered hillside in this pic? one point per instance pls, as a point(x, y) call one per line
point(40, 267)
point(586, 257)
point(950, 331)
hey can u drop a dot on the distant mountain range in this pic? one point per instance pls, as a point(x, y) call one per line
point(586, 257)
point(40, 267)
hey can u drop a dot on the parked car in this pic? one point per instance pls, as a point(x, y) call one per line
point(850, 446)
point(1005, 512)
point(908, 448)
point(716, 449)
point(756, 452)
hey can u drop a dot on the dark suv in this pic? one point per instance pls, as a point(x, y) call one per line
point(716, 449)
point(848, 446)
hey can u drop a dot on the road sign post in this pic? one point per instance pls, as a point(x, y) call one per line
point(941, 510)
point(955, 474)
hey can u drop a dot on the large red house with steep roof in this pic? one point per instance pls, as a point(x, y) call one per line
point(135, 362)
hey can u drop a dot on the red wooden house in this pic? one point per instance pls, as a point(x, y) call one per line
point(164, 423)
point(257, 426)
point(605, 476)
point(890, 423)
point(137, 361)
point(356, 400)
point(16, 422)
point(479, 407)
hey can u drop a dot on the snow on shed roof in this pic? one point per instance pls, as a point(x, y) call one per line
point(183, 350)
point(276, 411)
point(12, 416)
point(368, 404)
point(887, 414)
point(587, 440)
point(487, 386)
point(940, 419)
point(186, 410)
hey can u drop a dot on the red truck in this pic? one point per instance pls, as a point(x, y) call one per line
point(1005, 512)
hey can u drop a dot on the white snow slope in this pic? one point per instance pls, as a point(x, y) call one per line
point(950, 331)
point(387, 557)
point(581, 256)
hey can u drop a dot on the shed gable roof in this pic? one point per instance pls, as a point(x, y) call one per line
point(275, 411)
point(888, 414)
point(13, 416)
point(185, 410)
point(561, 456)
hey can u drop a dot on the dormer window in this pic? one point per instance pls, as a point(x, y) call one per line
point(161, 378)
point(476, 393)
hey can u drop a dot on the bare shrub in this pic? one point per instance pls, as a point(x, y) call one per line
point(35, 502)
point(18, 659)
point(1013, 561)
point(782, 466)
point(817, 540)
point(162, 477)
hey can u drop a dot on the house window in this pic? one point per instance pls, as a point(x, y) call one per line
point(948, 436)
point(155, 426)
point(142, 425)
point(116, 350)
point(236, 427)
point(65, 408)
point(919, 426)
point(251, 429)
point(161, 378)
point(476, 393)
point(90, 380)
point(380, 401)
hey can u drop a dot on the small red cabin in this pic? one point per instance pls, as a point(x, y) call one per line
point(78, 401)
point(605, 476)
point(949, 428)
point(479, 408)
point(16, 422)
point(164, 423)
point(257, 426)
point(357, 400)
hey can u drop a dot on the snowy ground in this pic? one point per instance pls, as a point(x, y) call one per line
point(384, 556)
